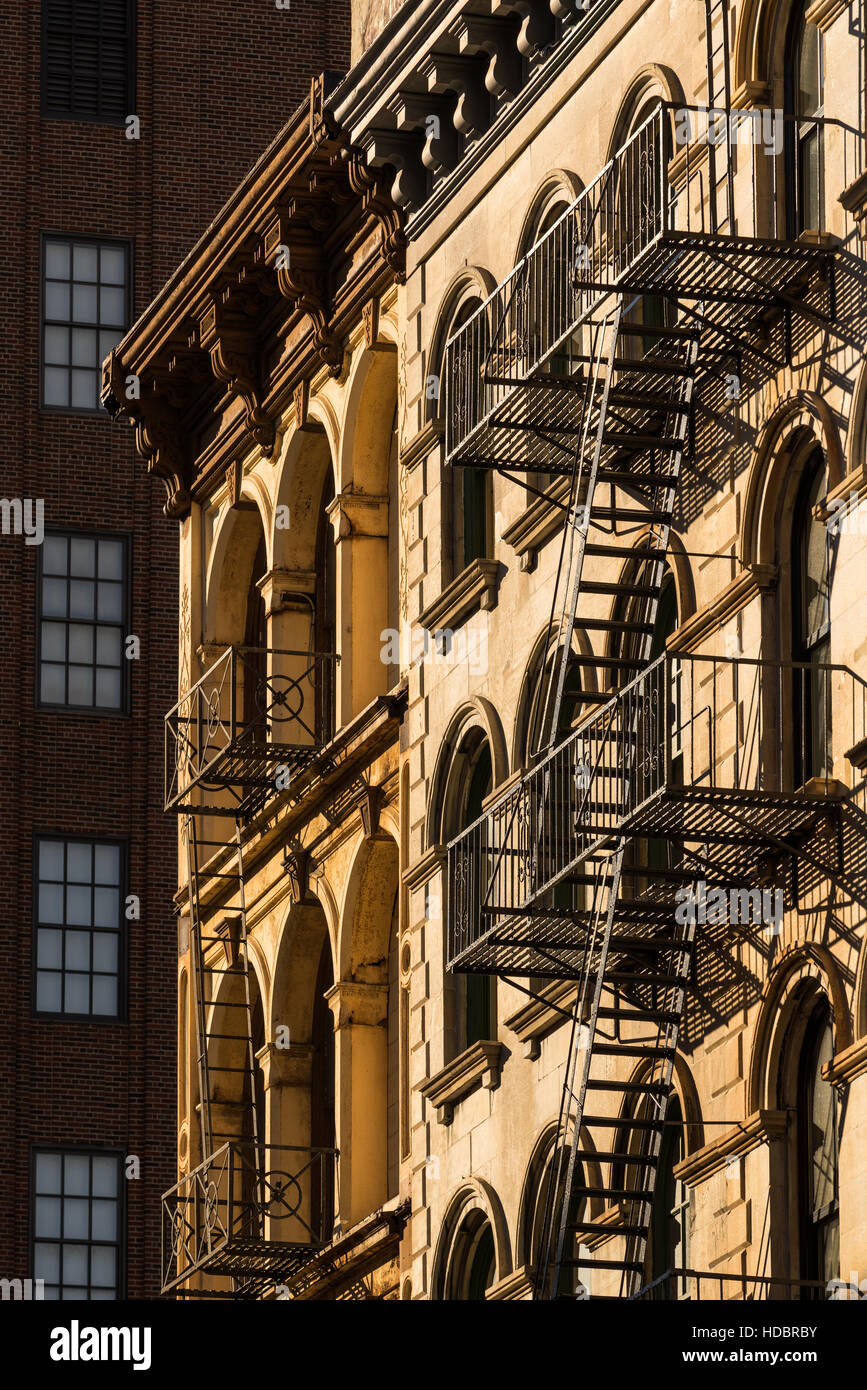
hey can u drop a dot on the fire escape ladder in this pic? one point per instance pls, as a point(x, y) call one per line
point(224, 1019)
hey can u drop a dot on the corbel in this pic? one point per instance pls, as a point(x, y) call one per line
point(159, 434)
point(568, 9)
point(433, 117)
point(465, 76)
point(231, 347)
point(402, 150)
point(301, 275)
point(366, 184)
point(296, 866)
point(371, 804)
point(537, 23)
point(498, 39)
point(229, 932)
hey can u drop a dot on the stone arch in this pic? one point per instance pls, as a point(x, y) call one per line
point(802, 973)
point(799, 415)
point(652, 80)
point(541, 1156)
point(476, 713)
point(676, 563)
point(856, 443)
point(231, 559)
point(475, 1195)
point(470, 283)
point(559, 186)
point(544, 648)
point(368, 421)
point(302, 472)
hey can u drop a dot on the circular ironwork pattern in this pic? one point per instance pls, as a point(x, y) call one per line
point(281, 698)
point(278, 1204)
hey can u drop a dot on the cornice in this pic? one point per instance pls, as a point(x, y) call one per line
point(519, 1285)
point(539, 1016)
point(762, 1127)
point(422, 444)
point(746, 586)
point(423, 870)
point(854, 200)
point(846, 1065)
point(537, 524)
point(480, 1063)
point(823, 13)
point(475, 587)
point(496, 66)
point(291, 264)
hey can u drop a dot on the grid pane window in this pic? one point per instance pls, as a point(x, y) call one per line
point(88, 59)
point(82, 622)
point(78, 928)
point(77, 1224)
point(84, 312)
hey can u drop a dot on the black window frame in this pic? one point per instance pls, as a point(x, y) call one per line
point(89, 114)
point(90, 1151)
point(125, 244)
point(123, 710)
point(121, 1018)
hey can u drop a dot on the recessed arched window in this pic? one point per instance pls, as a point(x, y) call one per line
point(256, 643)
point(322, 1093)
point(805, 107)
point(669, 1232)
point(811, 637)
point(472, 488)
point(477, 1020)
point(641, 191)
point(818, 1201)
point(471, 1267)
point(545, 1232)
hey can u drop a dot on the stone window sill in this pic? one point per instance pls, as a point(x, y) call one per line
point(480, 1063)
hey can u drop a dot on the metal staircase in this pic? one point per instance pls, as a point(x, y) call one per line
point(566, 382)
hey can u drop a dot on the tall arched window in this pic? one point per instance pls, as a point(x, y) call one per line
point(805, 106)
point(818, 1153)
point(669, 1231)
point(478, 1015)
point(471, 1261)
point(811, 637)
point(472, 488)
point(322, 1127)
point(256, 656)
point(641, 191)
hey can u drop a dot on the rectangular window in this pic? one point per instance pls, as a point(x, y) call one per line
point(88, 59)
point(85, 309)
point(82, 621)
point(77, 1223)
point(79, 928)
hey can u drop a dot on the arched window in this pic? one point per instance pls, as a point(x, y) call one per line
point(818, 1203)
point(811, 638)
point(478, 1021)
point(804, 106)
point(641, 191)
point(471, 1264)
point(546, 1226)
point(472, 488)
point(669, 1232)
point(256, 655)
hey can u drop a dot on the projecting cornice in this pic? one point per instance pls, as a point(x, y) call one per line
point(265, 301)
point(447, 80)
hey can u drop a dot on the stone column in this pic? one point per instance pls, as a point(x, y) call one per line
point(361, 537)
point(361, 1064)
point(287, 1073)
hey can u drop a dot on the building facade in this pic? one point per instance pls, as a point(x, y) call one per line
point(125, 128)
point(543, 919)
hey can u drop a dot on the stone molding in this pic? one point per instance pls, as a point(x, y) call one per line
point(480, 1063)
point(762, 1127)
point(475, 587)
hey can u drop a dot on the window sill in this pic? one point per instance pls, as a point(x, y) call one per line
point(481, 1063)
point(475, 587)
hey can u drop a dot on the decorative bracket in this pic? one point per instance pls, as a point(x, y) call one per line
point(296, 866)
point(231, 348)
point(498, 38)
point(301, 273)
point(159, 434)
point(466, 76)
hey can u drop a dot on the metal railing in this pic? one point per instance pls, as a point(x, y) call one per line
point(712, 724)
point(695, 1284)
point(242, 1196)
point(253, 703)
point(675, 175)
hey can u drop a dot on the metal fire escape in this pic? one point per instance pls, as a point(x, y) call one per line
point(250, 1214)
point(579, 379)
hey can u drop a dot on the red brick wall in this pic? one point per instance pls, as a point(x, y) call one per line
point(216, 80)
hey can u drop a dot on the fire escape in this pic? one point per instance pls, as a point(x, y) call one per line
point(250, 1215)
point(582, 378)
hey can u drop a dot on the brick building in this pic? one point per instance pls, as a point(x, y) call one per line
point(126, 126)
